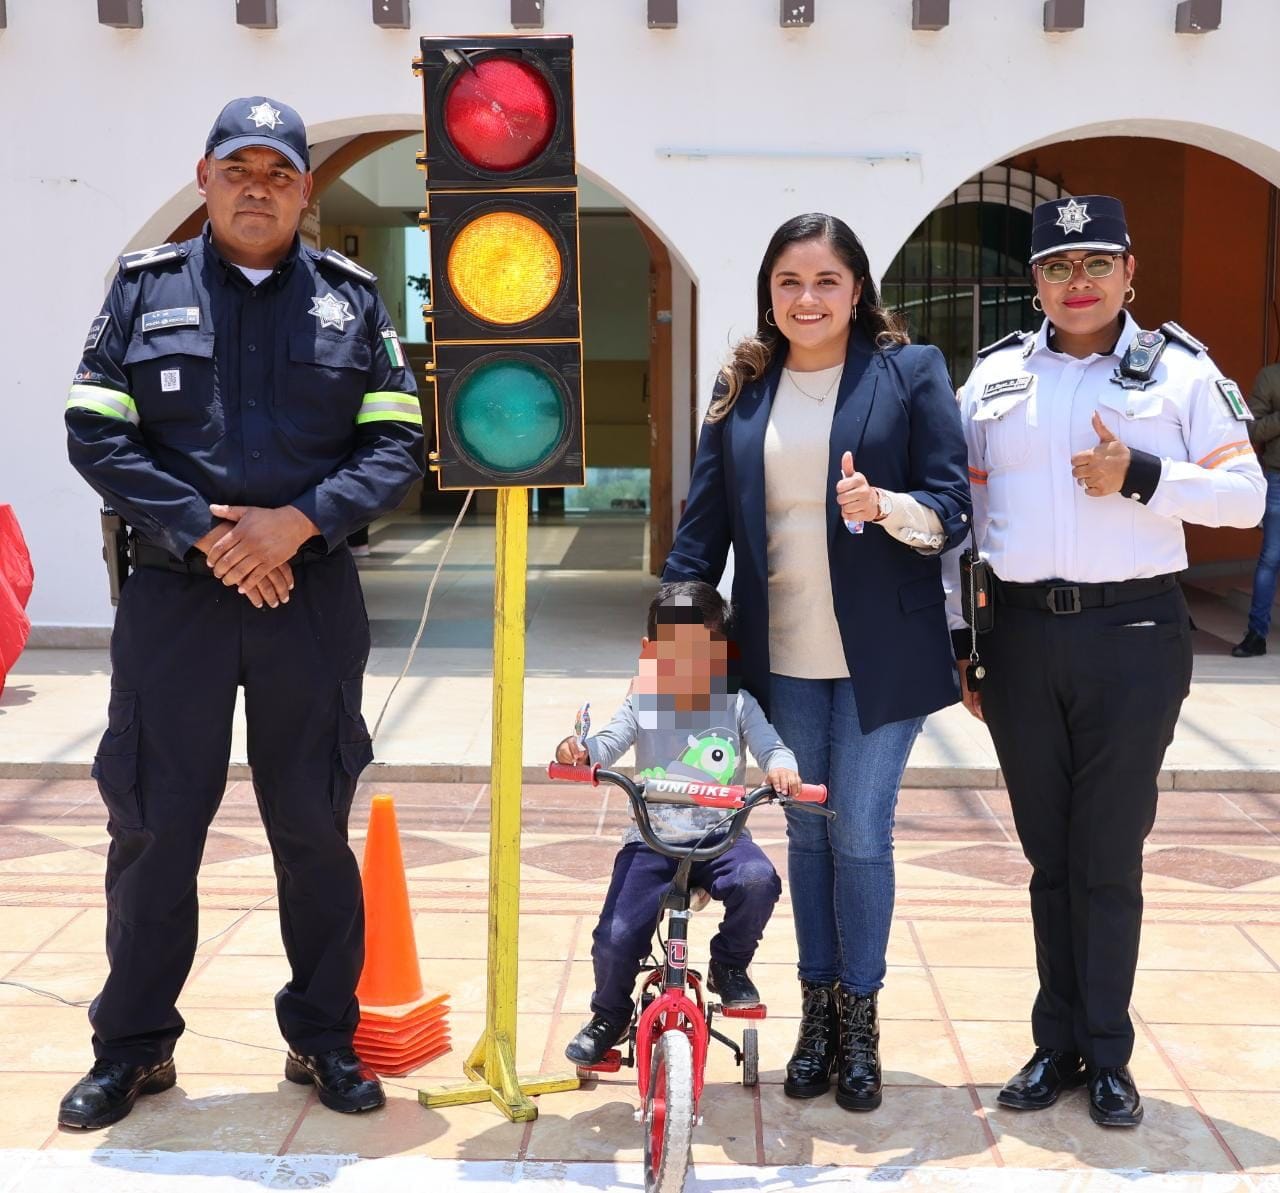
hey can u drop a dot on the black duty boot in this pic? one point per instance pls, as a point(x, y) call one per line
point(1113, 1098)
point(859, 1087)
point(107, 1092)
point(595, 1039)
point(343, 1081)
point(1040, 1082)
point(809, 1069)
point(733, 985)
point(1250, 646)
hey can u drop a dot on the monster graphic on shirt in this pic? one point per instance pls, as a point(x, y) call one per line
point(712, 754)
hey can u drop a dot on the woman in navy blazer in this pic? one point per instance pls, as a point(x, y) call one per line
point(839, 623)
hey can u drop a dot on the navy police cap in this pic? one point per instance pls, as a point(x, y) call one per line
point(260, 120)
point(1093, 222)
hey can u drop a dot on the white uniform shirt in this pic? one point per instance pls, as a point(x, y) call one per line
point(1027, 410)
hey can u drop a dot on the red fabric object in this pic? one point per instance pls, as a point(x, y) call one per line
point(16, 580)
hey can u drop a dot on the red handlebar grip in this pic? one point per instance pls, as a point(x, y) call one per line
point(812, 793)
point(573, 774)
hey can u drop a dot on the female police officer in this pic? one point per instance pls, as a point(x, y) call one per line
point(1090, 444)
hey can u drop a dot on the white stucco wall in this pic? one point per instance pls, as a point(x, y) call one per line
point(103, 129)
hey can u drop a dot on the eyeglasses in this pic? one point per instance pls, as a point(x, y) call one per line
point(1057, 272)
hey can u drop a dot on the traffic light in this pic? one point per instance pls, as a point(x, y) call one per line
point(504, 317)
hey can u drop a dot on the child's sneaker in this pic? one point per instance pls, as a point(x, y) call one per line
point(733, 985)
point(595, 1039)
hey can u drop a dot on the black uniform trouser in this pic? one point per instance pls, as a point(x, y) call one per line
point(182, 645)
point(1081, 709)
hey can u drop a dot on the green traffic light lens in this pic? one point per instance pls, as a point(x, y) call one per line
point(509, 416)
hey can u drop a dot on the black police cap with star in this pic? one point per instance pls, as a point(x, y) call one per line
point(1091, 222)
point(260, 120)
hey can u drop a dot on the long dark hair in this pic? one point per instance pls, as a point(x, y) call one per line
point(753, 355)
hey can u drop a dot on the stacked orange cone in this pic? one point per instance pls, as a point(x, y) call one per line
point(399, 1028)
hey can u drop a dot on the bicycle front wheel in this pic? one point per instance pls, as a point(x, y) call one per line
point(668, 1114)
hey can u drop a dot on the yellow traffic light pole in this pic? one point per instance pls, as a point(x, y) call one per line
point(491, 1066)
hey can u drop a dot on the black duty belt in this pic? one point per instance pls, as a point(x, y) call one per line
point(144, 555)
point(1072, 598)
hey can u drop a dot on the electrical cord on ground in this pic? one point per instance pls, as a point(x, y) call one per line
point(422, 625)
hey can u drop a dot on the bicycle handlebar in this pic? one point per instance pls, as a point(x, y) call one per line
point(690, 793)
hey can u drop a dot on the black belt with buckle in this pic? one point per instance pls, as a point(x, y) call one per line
point(145, 555)
point(1062, 599)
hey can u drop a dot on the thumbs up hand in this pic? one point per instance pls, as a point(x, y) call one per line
point(859, 500)
point(1100, 471)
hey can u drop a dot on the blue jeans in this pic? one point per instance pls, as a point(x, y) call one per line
point(841, 870)
point(1264, 578)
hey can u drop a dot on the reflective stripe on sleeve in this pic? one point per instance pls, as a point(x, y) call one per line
point(110, 403)
point(389, 405)
point(977, 475)
point(1228, 451)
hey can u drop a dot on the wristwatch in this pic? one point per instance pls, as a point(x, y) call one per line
point(886, 505)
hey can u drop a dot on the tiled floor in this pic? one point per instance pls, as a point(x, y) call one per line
point(1207, 1001)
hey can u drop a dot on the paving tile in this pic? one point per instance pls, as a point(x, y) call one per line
point(1252, 999)
point(73, 976)
point(589, 858)
point(1211, 1056)
point(31, 1107)
point(1186, 947)
point(1267, 938)
point(964, 942)
point(24, 928)
point(1173, 1137)
point(1002, 994)
point(1250, 1123)
point(232, 1113)
point(1209, 866)
point(18, 842)
point(990, 863)
point(820, 1132)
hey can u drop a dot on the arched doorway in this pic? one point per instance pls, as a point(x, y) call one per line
point(961, 280)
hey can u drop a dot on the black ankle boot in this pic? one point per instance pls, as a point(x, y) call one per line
point(809, 1069)
point(859, 1087)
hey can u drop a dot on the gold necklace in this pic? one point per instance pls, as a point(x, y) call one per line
point(814, 397)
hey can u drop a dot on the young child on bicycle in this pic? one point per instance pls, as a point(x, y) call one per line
point(687, 719)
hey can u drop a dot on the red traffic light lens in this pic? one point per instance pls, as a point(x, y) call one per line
point(500, 114)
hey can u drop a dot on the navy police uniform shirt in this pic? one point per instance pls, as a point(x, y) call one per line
point(199, 387)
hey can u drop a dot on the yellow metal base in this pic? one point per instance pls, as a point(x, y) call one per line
point(509, 1092)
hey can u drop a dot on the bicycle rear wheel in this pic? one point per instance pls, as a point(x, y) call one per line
point(668, 1114)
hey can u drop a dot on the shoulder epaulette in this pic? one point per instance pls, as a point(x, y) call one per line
point(1180, 335)
point(1014, 337)
point(153, 256)
point(338, 261)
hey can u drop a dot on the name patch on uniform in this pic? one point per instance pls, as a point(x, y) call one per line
point(96, 328)
point(391, 342)
point(1008, 385)
point(170, 381)
point(171, 317)
point(1234, 399)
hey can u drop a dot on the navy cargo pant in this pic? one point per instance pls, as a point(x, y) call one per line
point(743, 879)
point(182, 645)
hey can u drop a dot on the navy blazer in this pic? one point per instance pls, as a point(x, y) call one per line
point(896, 411)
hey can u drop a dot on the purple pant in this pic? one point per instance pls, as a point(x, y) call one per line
point(743, 879)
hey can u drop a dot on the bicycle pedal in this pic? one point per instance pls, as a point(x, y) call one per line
point(611, 1062)
point(759, 1011)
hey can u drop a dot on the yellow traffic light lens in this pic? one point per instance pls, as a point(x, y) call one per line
point(505, 268)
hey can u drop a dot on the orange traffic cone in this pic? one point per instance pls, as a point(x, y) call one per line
point(399, 1028)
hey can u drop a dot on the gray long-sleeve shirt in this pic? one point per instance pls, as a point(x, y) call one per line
point(703, 744)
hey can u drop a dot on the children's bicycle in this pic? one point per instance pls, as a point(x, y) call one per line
point(670, 1031)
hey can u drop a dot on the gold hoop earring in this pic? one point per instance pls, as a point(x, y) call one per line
point(853, 318)
point(768, 317)
point(1130, 294)
point(1036, 304)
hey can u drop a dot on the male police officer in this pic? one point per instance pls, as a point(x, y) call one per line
point(1089, 445)
point(243, 402)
